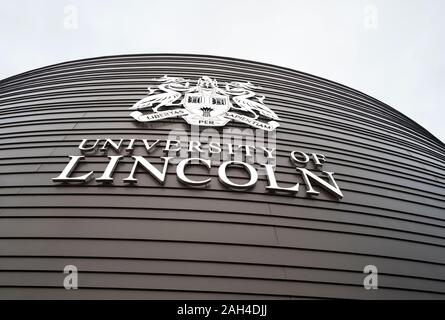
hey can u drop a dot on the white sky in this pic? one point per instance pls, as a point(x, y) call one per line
point(400, 62)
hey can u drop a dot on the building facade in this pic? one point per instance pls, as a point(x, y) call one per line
point(206, 232)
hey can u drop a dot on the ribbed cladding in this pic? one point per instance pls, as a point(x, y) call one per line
point(151, 241)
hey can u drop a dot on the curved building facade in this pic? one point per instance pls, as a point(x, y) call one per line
point(139, 231)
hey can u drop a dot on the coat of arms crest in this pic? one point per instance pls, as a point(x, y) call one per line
point(205, 104)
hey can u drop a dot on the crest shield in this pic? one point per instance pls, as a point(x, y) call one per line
point(206, 107)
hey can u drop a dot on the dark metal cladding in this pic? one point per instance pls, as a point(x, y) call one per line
point(174, 241)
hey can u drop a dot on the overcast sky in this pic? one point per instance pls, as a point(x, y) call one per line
point(392, 50)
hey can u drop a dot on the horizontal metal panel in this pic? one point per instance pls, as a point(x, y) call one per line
point(243, 271)
point(215, 253)
point(56, 293)
point(172, 241)
point(288, 216)
point(209, 284)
